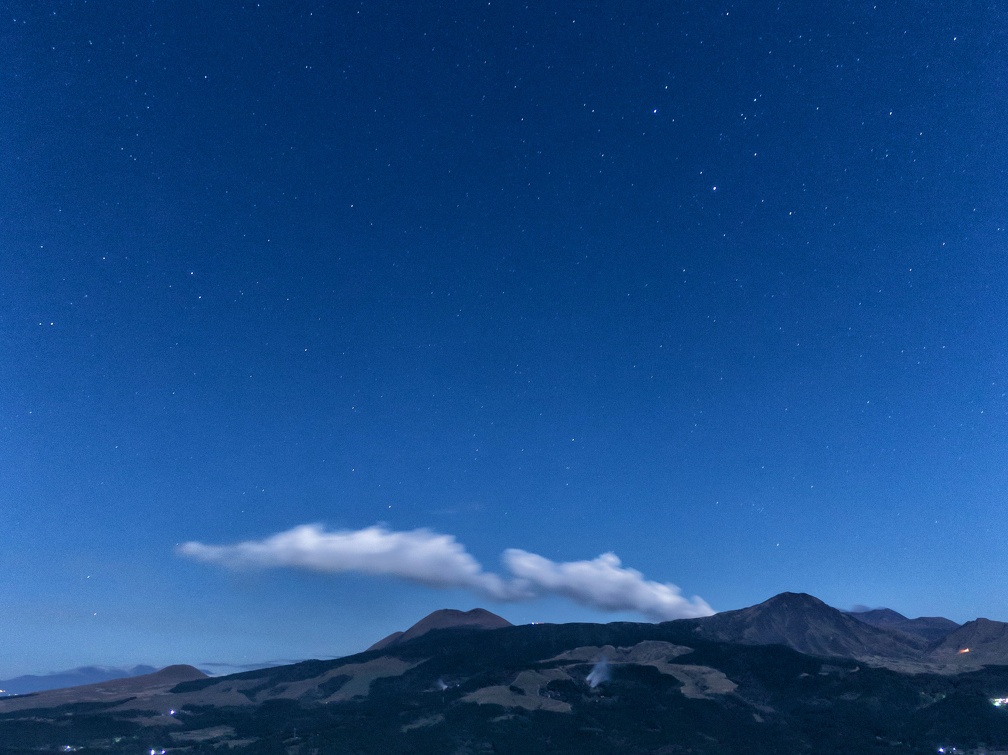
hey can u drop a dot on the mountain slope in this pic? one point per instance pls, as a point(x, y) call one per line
point(446, 618)
point(976, 643)
point(137, 688)
point(806, 624)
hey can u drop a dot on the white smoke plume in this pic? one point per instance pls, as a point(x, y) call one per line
point(599, 673)
point(440, 561)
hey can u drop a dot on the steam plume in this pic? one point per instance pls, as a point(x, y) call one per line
point(599, 673)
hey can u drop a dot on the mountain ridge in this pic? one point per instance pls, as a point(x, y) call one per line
point(576, 688)
point(930, 628)
point(445, 618)
point(75, 677)
point(980, 642)
point(808, 625)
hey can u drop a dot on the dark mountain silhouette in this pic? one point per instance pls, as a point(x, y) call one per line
point(674, 687)
point(446, 618)
point(976, 643)
point(806, 624)
point(667, 688)
point(22, 685)
point(929, 628)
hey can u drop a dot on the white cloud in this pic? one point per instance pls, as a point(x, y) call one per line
point(419, 556)
point(437, 560)
point(603, 583)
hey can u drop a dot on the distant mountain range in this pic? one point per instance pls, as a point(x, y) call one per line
point(929, 628)
point(22, 685)
point(790, 675)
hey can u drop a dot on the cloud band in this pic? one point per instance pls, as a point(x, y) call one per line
point(436, 560)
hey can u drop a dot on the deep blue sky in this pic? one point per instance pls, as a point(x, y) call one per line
point(719, 287)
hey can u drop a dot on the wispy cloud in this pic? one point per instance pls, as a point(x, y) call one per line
point(436, 560)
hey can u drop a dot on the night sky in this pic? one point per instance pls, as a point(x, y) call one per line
point(317, 317)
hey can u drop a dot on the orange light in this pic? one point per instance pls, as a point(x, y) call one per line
point(964, 650)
